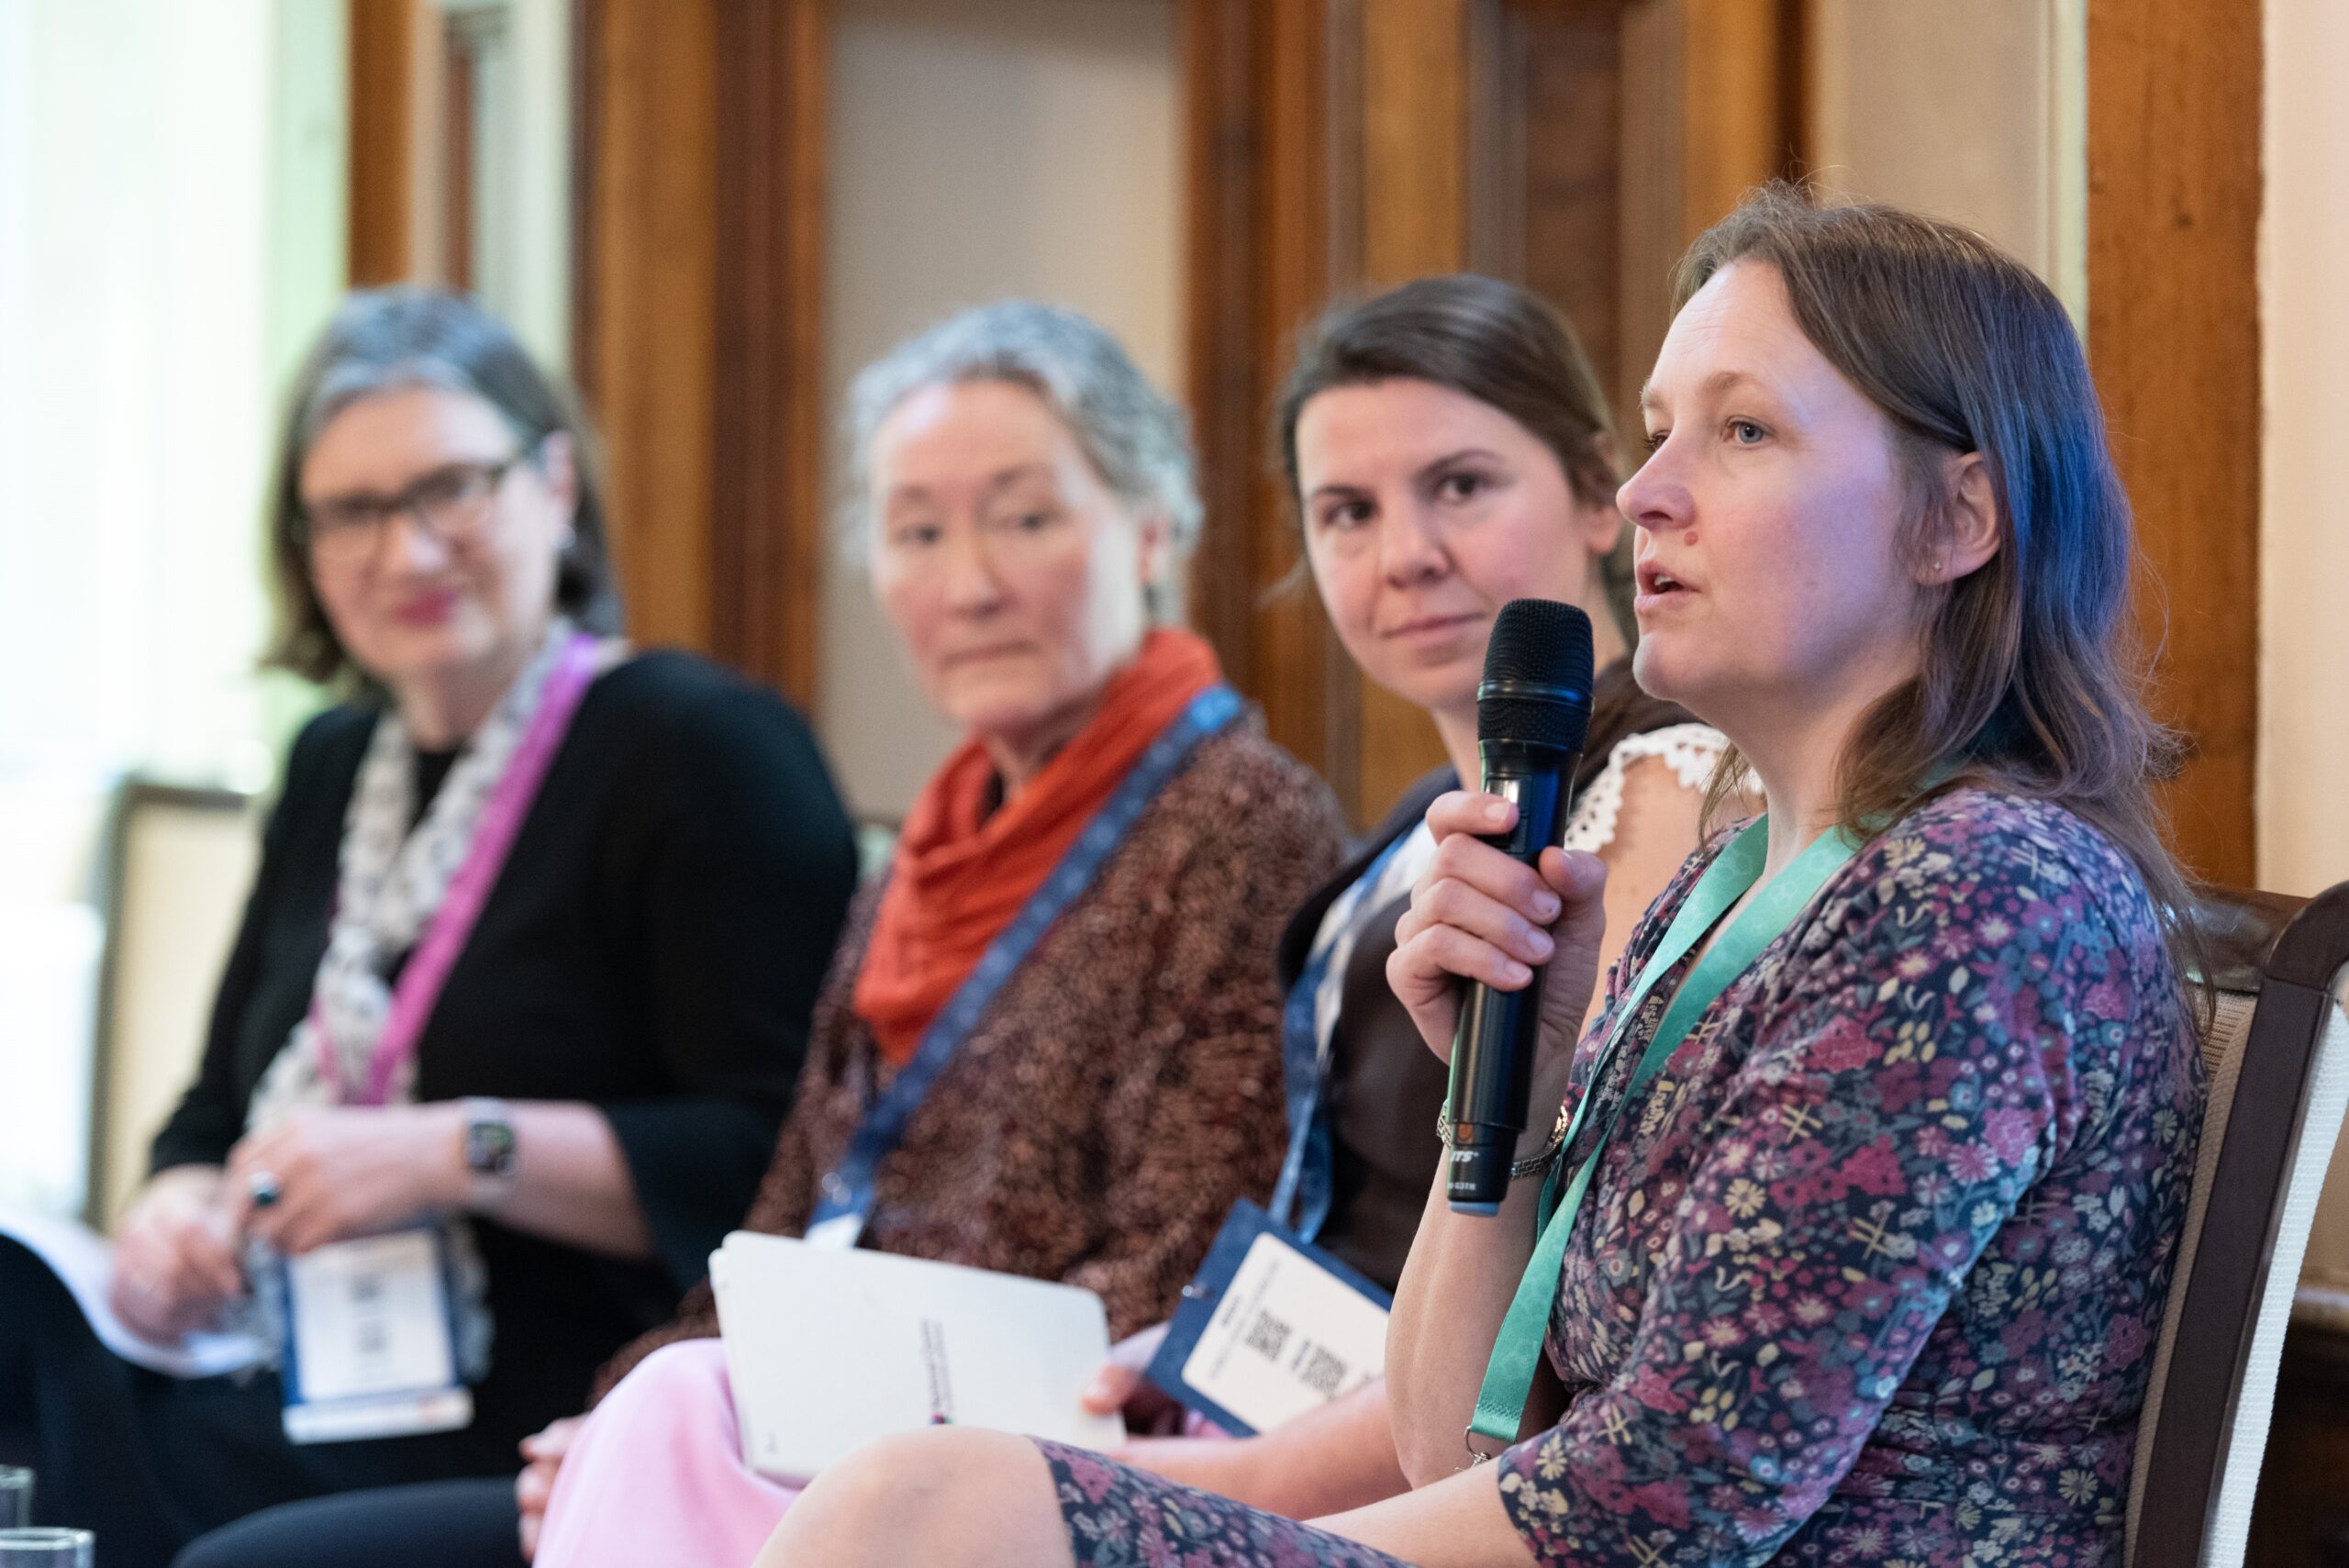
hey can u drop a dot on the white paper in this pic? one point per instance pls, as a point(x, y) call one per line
point(83, 1260)
point(1288, 1336)
point(827, 1348)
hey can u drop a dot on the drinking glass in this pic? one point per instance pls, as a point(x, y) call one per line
point(15, 1497)
point(48, 1549)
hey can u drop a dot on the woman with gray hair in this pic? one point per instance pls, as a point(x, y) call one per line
point(520, 994)
point(1065, 984)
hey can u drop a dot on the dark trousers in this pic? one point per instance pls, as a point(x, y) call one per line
point(448, 1524)
point(151, 1462)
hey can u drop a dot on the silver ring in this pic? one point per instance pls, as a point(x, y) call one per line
point(262, 1188)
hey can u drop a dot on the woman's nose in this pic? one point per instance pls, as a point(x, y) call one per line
point(971, 584)
point(1655, 495)
point(1410, 549)
point(409, 543)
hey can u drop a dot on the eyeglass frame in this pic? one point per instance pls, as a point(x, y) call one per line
point(409, 500)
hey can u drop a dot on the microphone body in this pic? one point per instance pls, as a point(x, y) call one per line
point(1534, 715)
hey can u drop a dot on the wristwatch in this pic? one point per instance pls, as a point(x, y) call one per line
point(493, 1154)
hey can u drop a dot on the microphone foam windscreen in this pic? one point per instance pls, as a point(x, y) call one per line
point(1539, 643)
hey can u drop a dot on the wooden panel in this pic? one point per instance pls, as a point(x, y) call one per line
point(768, 522)
point(2301, 1516)
point(586, 116)
point(1258, 266)
point(1225, 154)
point(1414, 61)
point(2173, 192)
point(1737, 128)
point(382, 148)
point(1710, 109)
point(458, 155)
point(653, 193)
point(1573, 206)
point(698, 331)
point(1414, 126)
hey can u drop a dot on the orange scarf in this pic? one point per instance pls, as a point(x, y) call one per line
point(958, 880)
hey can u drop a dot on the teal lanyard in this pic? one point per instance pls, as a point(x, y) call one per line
point(1517, 1352)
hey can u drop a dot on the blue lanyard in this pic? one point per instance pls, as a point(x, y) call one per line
point(1517, 1350)
point(846, 1195)
point(1301, 1197)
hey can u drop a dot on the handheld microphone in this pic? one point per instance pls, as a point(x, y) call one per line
point(1532, 717)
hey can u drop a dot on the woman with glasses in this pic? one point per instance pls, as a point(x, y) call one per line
point(526, 972)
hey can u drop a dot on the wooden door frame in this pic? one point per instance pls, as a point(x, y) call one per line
point(379, 41)
point(2174, 92)
point(698, 315)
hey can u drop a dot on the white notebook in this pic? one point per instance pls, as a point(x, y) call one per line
point(827, 1349)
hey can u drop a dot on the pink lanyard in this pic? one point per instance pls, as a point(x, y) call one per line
point(502, 815)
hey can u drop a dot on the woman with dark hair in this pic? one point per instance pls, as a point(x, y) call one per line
point(527, 968)
point(1448, 448)
point(1861, 1216)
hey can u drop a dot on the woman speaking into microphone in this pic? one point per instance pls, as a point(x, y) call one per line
point(524, 978)
point(1857, 1243)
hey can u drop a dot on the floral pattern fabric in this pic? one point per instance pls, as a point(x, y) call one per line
point(1874, 1272)
point(1119, 1516)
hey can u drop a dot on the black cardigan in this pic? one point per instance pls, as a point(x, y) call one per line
point(652, 946)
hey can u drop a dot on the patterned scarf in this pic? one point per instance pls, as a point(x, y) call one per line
point(963, 872)
point(391, 881)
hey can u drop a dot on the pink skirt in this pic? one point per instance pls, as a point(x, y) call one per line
point(656, 1476)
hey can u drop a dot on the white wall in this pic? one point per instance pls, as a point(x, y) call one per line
point(1022, 147)
point(1977, 112)
point(169, 236)
point(2303, 806)
point(2303, 765)
point(521, 219)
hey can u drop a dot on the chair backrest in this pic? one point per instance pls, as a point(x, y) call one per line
point(2278, 1054)
point(178, 864)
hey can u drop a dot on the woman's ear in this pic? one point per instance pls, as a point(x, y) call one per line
point(1966, 534)
point(1602, 524)
point(559, 471)
point(1153, 545)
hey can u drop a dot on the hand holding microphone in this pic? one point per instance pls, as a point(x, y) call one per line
point(1503, 908)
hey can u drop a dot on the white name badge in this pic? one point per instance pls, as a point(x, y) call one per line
point(1273, 1328)
point(371, 1340)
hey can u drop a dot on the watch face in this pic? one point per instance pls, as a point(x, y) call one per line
point(489, 1148)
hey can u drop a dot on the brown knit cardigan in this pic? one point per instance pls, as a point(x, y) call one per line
point(1123, 1088)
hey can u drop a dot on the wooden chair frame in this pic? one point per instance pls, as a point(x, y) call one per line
point(2293, 955)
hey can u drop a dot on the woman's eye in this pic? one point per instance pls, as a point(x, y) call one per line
point(1654, 440)
point(1746, 433)
point(914, 536)
point(1460, 486)
point(1346, 514)
point(1026, 520)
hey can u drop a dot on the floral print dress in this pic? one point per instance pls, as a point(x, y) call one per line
point(1874, 1272)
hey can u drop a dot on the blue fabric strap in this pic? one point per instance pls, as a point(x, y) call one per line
point(1516, 1351)
point(846, 1192)
point(1301, 1199)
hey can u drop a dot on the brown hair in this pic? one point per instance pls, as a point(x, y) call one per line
point(1502, 345)
point(2031, 679)
point(384, 339)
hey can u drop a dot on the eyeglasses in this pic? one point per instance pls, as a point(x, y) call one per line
point(451, 503)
